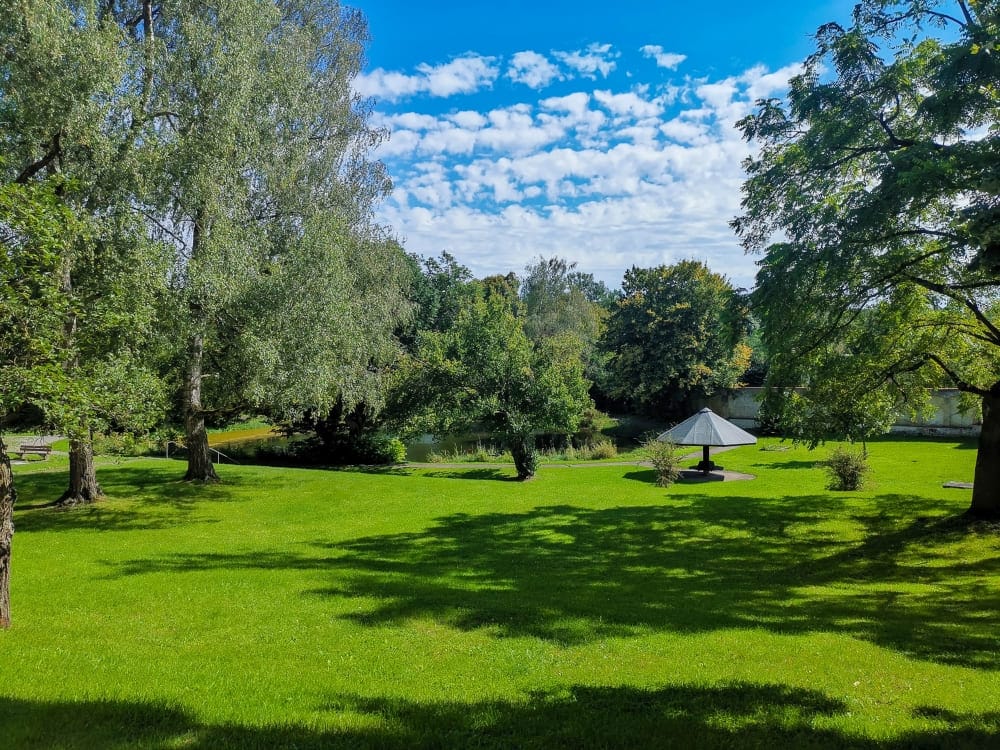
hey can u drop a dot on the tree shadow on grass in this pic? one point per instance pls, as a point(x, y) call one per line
point(888, 572)
point(161, 500)
point(495, 475)
point(737, 715)
point(789, 464)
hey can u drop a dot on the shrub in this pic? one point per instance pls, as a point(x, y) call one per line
point(603, 449)
point(382, 449)
point(665, 458)
point(846, 469)
point(124, 444)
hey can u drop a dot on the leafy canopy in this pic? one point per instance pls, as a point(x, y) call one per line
point(875, 199)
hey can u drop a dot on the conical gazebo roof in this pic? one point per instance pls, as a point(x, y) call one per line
point(707, 428)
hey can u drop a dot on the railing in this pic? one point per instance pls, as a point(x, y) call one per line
point(219, 455)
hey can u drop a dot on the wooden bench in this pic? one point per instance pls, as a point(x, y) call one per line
point(38, 450)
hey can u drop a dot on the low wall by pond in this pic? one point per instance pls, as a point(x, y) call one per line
point(741, 406)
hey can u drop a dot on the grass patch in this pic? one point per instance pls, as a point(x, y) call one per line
point(442, 607)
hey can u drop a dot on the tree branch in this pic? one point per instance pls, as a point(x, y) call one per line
point(50, 156)
point(960, 383)
point(973, 307)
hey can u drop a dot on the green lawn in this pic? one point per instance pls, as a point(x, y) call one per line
point(455, 608)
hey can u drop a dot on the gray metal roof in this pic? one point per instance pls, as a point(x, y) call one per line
point(707, 428)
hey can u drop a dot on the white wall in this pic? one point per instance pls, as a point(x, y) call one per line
point(741, 406)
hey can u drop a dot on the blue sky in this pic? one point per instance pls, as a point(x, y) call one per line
point(599, 132)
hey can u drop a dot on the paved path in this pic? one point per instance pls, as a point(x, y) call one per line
point(554, 464)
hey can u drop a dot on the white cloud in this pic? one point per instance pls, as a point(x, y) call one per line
point(532, 69)
point(596, 58)
point(606, 179)
point(628, 104)
point(668, 60)
point(575, 104)
point(463, 75)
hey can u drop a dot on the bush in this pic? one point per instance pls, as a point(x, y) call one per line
point(847, 470)
point(603, 449)
point(124, 444)
point(665, 458)
point(382, 449)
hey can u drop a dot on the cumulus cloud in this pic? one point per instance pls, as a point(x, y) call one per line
point(532, 69)
point(668, 60)
point(596, 58)
point(604, 177)
point(463, 75)
point(629, 104)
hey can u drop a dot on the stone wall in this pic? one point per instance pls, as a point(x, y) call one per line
point(741, 406)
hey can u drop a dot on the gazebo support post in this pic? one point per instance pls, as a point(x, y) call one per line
point(706, 464)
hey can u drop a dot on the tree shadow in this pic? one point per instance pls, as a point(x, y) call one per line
point(646, 477)
point(160, 500)
point(790, 464)
point(735, 715)
point(494, 475)
point(890, 573)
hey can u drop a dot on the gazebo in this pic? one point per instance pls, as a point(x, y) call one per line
point(709, 430)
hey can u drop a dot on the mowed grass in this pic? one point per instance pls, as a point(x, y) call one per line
point(455, 608)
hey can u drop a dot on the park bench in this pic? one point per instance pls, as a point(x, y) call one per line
point(38, 449)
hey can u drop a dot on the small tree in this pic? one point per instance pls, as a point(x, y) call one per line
point(665, 458)
point(485, 372)
point(847, 469)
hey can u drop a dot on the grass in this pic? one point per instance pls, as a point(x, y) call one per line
point(455, 608)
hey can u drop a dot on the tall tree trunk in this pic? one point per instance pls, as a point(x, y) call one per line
point(7, 497)
point(986, 489)
point(83, 487)
point(200, 467)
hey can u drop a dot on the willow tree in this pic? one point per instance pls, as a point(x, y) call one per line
point(64, 120)
point(879, 175)
point(266, 193)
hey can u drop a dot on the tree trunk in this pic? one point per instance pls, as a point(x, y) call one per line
point(986, 487)
point(7, 497)
point(522, 448)
point(83, 487)
point(200, 468)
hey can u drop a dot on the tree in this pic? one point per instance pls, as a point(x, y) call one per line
point(61, 121)
point(554, 304)
point(439, 289)
point(287, 293)
point(676, 332)
point(485, 372)
point(35, 231)
point(879, 174)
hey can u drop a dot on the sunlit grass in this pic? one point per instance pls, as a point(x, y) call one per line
point(456, 608)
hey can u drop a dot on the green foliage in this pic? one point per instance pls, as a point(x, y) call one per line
point(440, 288)
point(485, 372)
point(676, 332)
point(600, 450)
point(879, 173)
point(847, 469)
point(666, 460)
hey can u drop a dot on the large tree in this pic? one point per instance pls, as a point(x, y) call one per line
point(675, 333)
point(484, 372)
point(878, 177)
point(62, 120)
point(287, 292)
